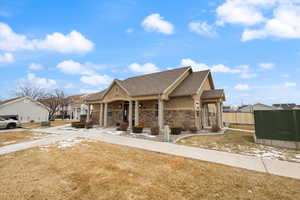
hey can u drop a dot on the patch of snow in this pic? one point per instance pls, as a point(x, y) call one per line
point(69, 142)
point(9, 142)
point(111, 132)
point(297, 156)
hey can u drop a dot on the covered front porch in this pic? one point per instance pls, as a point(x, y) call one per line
point(149, 112)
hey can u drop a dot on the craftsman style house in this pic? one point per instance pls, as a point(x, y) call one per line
point(178, 97)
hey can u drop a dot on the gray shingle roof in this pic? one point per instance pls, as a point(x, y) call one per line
point(152, 84)
point(191, 84)
point(212, 94)
point(9, 100)
point(157, 83)
point(96, 96)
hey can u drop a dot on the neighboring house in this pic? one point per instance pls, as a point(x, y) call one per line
point(286, 106)
point(229, 109)
point(175, 97)
point(77, 106)
point(27, 108)
point(258, 106)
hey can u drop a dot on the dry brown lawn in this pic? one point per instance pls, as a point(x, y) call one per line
point(53, 123)
point(241, 126)
point(242, 143)
point(13, 137)
point(97, 170)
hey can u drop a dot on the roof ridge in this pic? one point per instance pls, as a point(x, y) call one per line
point(156, 72)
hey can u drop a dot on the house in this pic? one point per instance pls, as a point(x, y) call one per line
point(175, 97)
point(27, 108)
point(77, 106)
point(286, 106)
point(257, 106)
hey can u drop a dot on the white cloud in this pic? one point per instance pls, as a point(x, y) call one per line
point(202, 28)
point(143, 68)
point(38, 82)
point(35, 66)
point(72, 67)
point(290, 84)
point(74, 42)
point(242, 87)
point(284, 24)
point(239, 12)
point(266, 66)
point(88, 91)
point(156, 23)
point(7, 58)
point(96, 80)
point(245, 72)
point(202, 66)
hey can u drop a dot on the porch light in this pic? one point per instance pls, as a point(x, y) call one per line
point(140, 105)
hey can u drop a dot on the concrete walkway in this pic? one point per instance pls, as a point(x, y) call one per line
point(237, 129)
point(276, 167)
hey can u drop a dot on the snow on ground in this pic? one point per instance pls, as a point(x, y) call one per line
point(142, 134)
point(8, 142)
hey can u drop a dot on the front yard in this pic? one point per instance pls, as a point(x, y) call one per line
point(53, 124)
point(96, 170)
point(13, 137)
point(242, 143)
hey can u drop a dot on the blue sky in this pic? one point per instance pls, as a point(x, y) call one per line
point(251, 46)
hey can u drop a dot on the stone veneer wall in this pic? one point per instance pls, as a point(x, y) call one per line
point(179, 117)
point(148, 117)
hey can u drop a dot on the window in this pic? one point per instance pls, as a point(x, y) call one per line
point(156, 110)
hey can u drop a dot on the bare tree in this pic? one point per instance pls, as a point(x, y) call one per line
point(28, 90)
point(55, 101)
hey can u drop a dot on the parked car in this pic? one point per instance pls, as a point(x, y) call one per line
point(14, 117)
point(9, 123)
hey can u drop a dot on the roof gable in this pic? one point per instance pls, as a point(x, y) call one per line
point(152, 84)
point(191, 84)
point(115, 92)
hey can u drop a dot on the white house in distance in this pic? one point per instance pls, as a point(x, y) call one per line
point(258, 106)
point(26, 108)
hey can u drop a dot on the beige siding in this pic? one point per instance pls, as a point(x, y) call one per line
point(238, 118)
point(180, 103)
point(115, 93)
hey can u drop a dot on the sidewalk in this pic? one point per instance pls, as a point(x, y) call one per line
point(276, 167)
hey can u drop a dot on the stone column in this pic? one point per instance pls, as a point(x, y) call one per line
point(203, 112)
point(160, 114)
point(101, 115)
point(130, 115)
point(218, 114)
point(136, 113)
point(105, 114)
point(221, 114)
point(88, 113)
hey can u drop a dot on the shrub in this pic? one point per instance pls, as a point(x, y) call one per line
point(193, 129)
point(175, 130)
point(31, 121)
point(154, 130)
point(186, 125)
point(137, 129)
point(123, 127)
point(215, 128)
point(78, 124)
point(89, 124)
point(45, 123)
